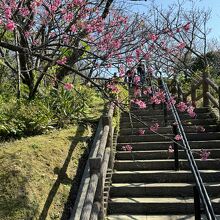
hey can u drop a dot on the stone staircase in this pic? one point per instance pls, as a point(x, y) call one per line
point(144, 182)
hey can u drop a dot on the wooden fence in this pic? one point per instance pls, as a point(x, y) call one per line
point(89, 204)
point(210, 91)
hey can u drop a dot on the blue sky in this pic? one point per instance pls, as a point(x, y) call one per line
point(214, 5)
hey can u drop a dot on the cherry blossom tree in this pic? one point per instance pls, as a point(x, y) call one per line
point(54, 37)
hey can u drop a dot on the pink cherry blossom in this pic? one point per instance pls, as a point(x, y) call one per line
point(137, 91)
point(200, 129)
point(152, 37)
point(10, 25)
point(191, 112)
point(178, 137)
point(141, 132)
point(182, 107)
point(155, 100)
point(138, 53)
point(170, 151)
point(78, 2)
point(113, 87)
point(137, 79)
point(204, 154)
point(181, 45)
point(127, 147)
point(68, 86)
point(53, 8)
point(147, 56)
point(147, 91)
point(8, 12)
point(154, 127)
point(150, 70)
point(170, 102)
point(186, 27)
point(121, 71)
point(160, 95)
point(140, 103)
point(38, 2)
point(129, 59)
point(68, 17)
point(62, 61)
point(73, 28)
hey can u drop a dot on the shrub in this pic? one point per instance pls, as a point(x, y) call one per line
point(21, 118)
point(55, 108)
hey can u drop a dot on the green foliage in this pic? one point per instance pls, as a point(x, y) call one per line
point(54, 109)
point(123, 99)
point(19, 118)
point(116, 119)
point(213, 60)
point(76, 104)
point(123, 95)
point(86, 47)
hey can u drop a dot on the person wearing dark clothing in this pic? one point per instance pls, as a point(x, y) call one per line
point(129, 76)
point(141, 73)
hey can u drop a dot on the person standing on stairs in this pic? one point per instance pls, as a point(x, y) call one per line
point(129, 78)
point(141, 73)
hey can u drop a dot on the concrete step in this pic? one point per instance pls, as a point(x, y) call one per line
point(160, 154)
point(163, 176)
point(161, 130)
point(156, 137)
point(168, 129)
point(155, 205)
point(135, 107)
point(163, 145)
point(170, 122)
point(159, 189)
point(145, 112)
point(167, 164)
point(150, 110)
point(155, 217)
point(160, 117)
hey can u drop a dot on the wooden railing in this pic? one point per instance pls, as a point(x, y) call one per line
point(91, 204)
point(210, 90)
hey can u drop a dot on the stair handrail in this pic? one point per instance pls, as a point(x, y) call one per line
point(91, 205)
point(194, 169)
point(208, 97)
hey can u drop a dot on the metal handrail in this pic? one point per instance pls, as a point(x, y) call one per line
point(194, 169)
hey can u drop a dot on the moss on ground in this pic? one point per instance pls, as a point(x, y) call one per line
point(36, 173)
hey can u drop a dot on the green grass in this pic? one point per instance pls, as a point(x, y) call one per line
point(36, 173)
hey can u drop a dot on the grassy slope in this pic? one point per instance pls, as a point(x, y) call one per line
point(36, 173)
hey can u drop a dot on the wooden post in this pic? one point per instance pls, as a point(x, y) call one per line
point(180, 95)
point(99, 197)
point(205, 89)
point(165, 113)
point(110, 135)
point(95, 209)
point(184, 98)
point(159, 81)
point(197, 207)
point(219, 103)
point(175, 146)
point(105, 120)
point(104, 138)
point(95, 167)
point(193, 95)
